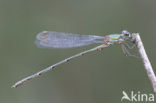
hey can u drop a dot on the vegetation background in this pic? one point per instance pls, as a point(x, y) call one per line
point(98, 77)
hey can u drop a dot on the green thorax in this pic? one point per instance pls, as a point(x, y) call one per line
point(114, 38)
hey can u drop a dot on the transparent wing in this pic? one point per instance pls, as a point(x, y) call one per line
point(52, 39)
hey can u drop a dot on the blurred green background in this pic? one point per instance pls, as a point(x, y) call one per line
point(98, 77)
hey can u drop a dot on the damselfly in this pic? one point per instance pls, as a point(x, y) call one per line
point(52, 39)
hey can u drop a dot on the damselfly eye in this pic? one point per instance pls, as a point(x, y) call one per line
point(126, 33)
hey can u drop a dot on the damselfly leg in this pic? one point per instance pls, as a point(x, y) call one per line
point(129, 46)
point(126, 51)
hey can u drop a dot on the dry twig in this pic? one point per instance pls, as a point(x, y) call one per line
point(145, 59)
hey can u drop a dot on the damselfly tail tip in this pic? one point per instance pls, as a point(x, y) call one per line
point(17, 84)
point(13, 86)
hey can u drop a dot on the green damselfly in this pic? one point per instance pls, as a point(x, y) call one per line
point(52, 39)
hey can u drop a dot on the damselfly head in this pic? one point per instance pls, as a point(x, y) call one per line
point(126, 33)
